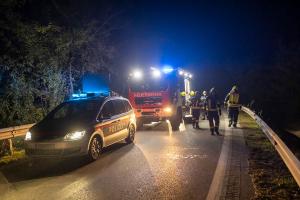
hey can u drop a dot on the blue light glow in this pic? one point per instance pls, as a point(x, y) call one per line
point(79, 95)
point(95, 83)
point(167, 69)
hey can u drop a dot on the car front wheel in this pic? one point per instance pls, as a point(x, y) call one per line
point(131, 134)
point(95, 148)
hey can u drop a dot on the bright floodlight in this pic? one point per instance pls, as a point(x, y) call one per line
point(156, 73)
point(180, 72)
point(190, 76)
point(167, 69)
point(137, 74)
point(186, 74)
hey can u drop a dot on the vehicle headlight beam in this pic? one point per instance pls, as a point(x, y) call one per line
point(137, 74)
point(28, 136)
point(77, 135)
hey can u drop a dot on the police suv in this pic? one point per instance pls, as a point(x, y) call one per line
point(82, 126)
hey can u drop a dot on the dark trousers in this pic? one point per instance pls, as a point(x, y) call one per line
point(195, 116)
point(203, 113)
point(214, 120)
point(233, 114)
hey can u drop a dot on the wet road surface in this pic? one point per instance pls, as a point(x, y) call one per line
point(161, 164)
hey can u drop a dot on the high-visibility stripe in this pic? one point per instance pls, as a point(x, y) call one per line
point(212, 109)
point(234, 98)
point(109, 128)
point(234, 105)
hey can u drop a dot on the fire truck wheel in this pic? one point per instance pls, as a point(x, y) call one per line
point(175, 123)
point(139, 124)
point(131, 134)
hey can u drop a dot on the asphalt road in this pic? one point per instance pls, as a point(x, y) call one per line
point(161, 164)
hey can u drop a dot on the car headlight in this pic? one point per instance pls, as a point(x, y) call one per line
point(28, 136)
point(168, 109)
point(77, 135)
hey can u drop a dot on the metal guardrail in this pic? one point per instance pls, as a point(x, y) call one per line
point(15, 131)
point(286, 154)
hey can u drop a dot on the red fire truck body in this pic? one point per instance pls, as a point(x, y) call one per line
point(153, 106)
point(157, 98)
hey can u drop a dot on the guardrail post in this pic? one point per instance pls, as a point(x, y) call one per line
point(11, 148)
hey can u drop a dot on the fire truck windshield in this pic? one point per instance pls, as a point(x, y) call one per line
point(149, 86)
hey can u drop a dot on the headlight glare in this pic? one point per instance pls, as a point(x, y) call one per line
point(168, 109)
point(77, 135)
point(28, 136)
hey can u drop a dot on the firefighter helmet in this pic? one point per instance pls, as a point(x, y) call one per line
point(212, 91)
point(234, 88)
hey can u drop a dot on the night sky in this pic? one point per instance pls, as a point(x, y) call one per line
point(194, 34)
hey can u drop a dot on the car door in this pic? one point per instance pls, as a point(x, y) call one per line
point(108, 122)
point(122, 122)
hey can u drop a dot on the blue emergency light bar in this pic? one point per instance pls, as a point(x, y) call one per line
point(89, 95)
point(79, 95)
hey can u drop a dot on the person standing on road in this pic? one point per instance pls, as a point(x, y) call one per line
point(202, 105)
point(232, 102)
point(195, 106)
point(213, 108)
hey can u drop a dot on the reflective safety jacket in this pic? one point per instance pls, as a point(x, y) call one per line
point(212, 103)
point(195, 103)
point(232, 99)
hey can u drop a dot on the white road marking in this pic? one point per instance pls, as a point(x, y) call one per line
point(215, 190)
point(189, 156)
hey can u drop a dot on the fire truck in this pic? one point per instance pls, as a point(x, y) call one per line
point(160, 95)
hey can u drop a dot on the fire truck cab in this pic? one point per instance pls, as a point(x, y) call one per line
point(159, 95)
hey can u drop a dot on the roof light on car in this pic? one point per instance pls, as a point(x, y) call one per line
point(79, 95)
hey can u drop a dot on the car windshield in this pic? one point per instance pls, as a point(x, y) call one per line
point(76, 110)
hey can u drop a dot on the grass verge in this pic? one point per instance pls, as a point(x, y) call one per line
point(17, 155)
point(270, 177)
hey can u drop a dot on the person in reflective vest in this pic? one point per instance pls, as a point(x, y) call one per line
point(232, 101)
point(202, 104)
point(213, 108)
point(195, 107)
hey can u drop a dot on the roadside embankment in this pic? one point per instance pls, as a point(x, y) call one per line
point(271, 178)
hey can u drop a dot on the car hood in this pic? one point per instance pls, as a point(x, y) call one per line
point(55, 129)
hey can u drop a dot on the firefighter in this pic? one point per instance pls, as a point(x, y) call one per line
point(179, 102)
point(213, 108)
point(232, 102)
point(195, 106)
point(202, 105)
